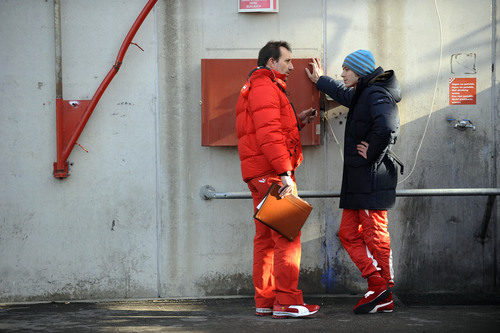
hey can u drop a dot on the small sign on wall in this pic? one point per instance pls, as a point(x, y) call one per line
point(258, 6)
point(462, 91)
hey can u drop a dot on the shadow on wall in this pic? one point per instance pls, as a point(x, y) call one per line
point(463, 42)
point(434, 239)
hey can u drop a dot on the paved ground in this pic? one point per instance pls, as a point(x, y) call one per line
point(236, 315)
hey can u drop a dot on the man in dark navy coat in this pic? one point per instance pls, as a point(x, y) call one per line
point(370, 174)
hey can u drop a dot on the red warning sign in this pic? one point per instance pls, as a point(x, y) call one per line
point(462, 90)
point(258, 5)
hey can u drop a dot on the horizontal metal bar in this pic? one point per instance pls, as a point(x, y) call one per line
point(447, 192)
point(207, 192)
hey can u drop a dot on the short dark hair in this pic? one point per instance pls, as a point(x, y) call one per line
point(271, 50)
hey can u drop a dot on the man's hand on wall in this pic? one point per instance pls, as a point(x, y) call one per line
point(317, 70)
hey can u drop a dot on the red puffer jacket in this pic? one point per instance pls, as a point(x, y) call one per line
point(267, 127)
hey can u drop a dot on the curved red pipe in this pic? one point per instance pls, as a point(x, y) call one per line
point(104, 84)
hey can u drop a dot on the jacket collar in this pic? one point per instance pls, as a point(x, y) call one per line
point(365, 81)
point(275, 76)
point(266, 71)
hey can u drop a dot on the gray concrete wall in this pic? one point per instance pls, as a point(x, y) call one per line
point(92, 235)
point(129, 221)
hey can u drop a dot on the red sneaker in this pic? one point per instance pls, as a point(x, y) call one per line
point(377, 291)
point(387, 305)
point(287, 311)
point(263, 311)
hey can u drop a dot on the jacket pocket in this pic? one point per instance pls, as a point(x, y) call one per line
point(386, 175)
point(360, 179)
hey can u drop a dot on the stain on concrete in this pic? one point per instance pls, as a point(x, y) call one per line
point(84, 289)
point(328, 278)
point(40, 85)
point(414, 219)
point(310, 281)
point(339, 274)
point(453, 220)
point(386, 18)
point(220, 284)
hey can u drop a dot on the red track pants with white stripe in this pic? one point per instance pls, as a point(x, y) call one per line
point(276, 260)
point(364, 235)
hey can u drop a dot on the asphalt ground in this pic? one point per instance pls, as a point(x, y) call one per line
point(236, 314)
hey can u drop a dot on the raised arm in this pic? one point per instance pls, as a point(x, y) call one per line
point(335, 89)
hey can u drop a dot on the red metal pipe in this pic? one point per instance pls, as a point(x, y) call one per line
point(104, 84)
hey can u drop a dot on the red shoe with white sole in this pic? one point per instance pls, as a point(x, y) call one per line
point(294, 311)
point(387, 305)
point(377, 292)
point(263, 312)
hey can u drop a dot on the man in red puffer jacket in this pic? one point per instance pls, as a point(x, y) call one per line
point(270, 151)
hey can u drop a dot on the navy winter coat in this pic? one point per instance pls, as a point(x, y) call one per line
point(373, 117)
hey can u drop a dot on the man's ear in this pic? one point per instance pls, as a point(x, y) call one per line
point(271, 63)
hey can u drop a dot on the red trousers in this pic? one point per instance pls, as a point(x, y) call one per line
point(364, 235)
point(276, 260)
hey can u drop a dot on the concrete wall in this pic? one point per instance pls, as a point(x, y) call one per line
point(91, 235)
point(129, 221)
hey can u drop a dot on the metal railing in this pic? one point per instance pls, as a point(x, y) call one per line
point(207, 192)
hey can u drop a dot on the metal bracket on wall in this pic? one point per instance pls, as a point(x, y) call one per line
point(68, 115)
point(72, 115)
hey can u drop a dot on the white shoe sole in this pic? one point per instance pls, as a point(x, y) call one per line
point(279, 314)
point(263, 311)
point(374, 310)
point(368, 307)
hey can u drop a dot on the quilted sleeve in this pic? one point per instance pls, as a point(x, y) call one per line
point(336, 90)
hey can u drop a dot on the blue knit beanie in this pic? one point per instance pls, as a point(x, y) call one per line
point(360, 62)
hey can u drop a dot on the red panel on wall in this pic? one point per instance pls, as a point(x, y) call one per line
point(221, 81)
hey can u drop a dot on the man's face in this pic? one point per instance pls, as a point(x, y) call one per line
point(350, 78)
point(284, 63)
